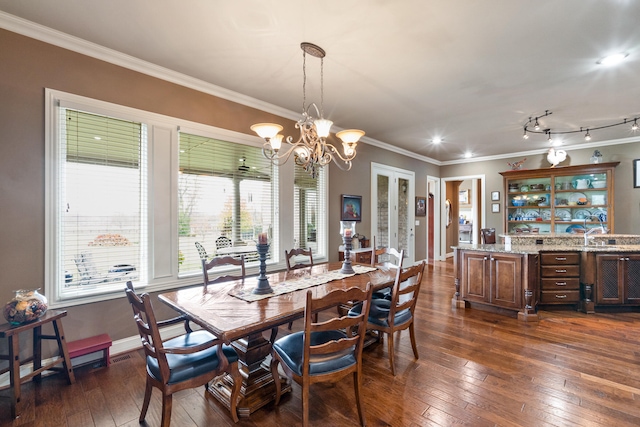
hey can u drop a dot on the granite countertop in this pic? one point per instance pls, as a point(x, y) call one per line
point(533, 249)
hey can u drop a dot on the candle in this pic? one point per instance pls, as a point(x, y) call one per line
point(347, 232)
point(262, 238)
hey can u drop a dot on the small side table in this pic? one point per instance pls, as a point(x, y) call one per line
point(12, 334)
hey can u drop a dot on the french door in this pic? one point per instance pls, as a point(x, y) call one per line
point(392, 207)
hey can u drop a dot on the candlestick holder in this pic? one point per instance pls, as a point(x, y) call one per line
point(346, 264)
point(263, 283)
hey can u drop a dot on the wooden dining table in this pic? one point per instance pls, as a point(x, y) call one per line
point(242, 324)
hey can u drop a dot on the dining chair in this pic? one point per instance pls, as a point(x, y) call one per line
point(488, 236)
point(187, 361)
point(201, 250)
point(391, 259)
point(390, 316)
point(220, 261)
point(326, 351)
point(288, 255)
point(223, 242)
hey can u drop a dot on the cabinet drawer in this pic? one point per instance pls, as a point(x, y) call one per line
point(559, 258)
point(560, 270)
point(559, 297)
point(560, 284)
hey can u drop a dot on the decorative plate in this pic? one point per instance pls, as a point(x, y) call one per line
point(546, 214)
point(575, 228)
point(582, 214)
point(574, 197)
point(601, 214)
point(563, 214)
point(530, 214)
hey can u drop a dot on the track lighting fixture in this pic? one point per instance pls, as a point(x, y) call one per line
point(537, 129)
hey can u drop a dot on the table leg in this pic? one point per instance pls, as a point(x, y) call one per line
point(257, 388)
point(14, 375)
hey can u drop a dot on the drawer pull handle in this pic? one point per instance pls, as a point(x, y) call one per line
point(561, 296)
point(561, 258)
point(561, 283)
point(561, 271)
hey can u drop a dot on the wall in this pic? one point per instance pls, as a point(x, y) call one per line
point(28, 67)
point(626, 197)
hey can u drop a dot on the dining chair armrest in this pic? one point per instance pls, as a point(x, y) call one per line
point(178, 319)
point(193, 349)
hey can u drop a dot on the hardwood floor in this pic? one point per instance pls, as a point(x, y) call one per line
point(475, 369)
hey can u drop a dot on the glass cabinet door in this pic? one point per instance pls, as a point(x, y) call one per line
point(580, 202)
point(529, 206)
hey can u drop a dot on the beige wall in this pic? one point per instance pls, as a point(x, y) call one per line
point(28, 67)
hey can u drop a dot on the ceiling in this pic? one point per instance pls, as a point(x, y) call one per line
point(470, 72)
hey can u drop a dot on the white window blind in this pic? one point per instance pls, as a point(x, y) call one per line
point(308, 202)
point(100, 202)
point(225, 199)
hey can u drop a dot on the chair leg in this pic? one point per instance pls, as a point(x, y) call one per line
point(390, 348)
point(305, 403)
point(357, 384)
point(234, 371)
point(147, 399)
point(413, 341)
point(276, 377)
point(167, 401)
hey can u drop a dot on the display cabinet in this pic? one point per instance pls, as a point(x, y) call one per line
point(566, 199)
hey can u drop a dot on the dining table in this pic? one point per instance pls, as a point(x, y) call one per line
point(232, 312)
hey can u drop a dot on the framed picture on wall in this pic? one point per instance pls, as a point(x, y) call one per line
point(636, 173)
point(463, 197)
point(495, 207)
point(421, 206)
point(351, 208)
point(495, 196)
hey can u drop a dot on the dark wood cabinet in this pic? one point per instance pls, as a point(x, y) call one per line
point(618, 278)
point(559, 278)
point(493, 278)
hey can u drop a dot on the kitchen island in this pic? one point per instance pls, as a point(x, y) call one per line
point(552, 270)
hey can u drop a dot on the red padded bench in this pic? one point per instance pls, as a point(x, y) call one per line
point(91, 345)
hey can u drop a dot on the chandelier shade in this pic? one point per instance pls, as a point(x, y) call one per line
point(311, 150)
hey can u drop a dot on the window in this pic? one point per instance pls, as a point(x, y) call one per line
point(100, 202)
point(308, 203)
point(129, 193)
point(225, 199)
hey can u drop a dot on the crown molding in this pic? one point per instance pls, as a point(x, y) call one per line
point(597, 144)
point(57, 38)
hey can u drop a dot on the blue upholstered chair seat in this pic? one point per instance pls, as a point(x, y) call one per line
point(382, 294)
point(186, 366)
point(379, 313)
point(290, 349)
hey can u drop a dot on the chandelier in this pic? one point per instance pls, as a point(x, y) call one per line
point(311, 150)
point(533, 126)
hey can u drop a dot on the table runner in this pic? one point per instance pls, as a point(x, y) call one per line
point(301, 282)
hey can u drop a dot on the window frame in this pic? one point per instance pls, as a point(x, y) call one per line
point(163, 151)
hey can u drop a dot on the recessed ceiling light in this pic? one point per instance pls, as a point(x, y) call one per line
point(468, 155)
point(613, 59)
point(436, 140)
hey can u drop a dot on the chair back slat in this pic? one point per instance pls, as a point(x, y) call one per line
point(406, 289)
point(221, 261)
point(288, 255)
